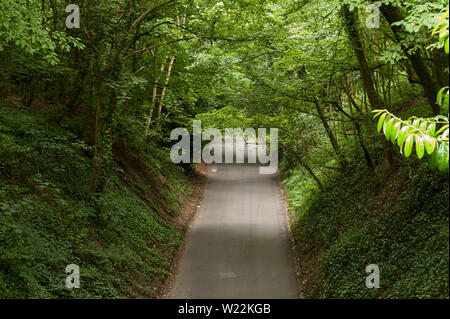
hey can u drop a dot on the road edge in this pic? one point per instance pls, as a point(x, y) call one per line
point(190, 209)
point(291, 237)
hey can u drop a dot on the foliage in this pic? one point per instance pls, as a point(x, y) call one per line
point(361, 219)
point(442, 30)
point(226, 117)
point(428, 134)
point(86, 116)
point(419, 132)
point(47, 221)
point(21, 24)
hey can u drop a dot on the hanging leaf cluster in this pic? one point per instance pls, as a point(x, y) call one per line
point(427, 135)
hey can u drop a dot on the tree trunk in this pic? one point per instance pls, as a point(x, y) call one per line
point(163, 93)
point(155, 93)
point(310, 171)
point(438, 68)
point(366, 74)
point(363, 146)
point(330, 134)
point(351, 100)
point(392, 15)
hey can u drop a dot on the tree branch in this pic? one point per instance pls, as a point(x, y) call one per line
point(158, 45)
point(155, 8)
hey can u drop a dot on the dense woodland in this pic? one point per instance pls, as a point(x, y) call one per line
point(86, 115)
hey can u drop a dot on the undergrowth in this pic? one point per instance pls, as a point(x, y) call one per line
point(123, 247)
point(395, 218)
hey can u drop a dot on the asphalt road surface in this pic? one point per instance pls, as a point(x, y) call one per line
point(239, 244)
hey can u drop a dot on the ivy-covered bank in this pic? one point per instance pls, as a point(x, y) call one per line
point(86, 116)
point(122, 238)
point(395, 217)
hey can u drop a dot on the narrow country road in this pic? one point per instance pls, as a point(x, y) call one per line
point(239, 244)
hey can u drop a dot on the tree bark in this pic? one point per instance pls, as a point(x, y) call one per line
point(366, 74)
point(392, 15)
point(330, 134)
point(438, 68)
point(310, 171)
point(363, 146)
point(163, 93)
point(153, 104)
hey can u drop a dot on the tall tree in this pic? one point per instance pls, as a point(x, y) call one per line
point(393, 15)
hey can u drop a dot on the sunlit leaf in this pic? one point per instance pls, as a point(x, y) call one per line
point(409, 142)
point(420, 150)
point(430, 144)
point(395, 131)
point(380, 122)
point(442, 157)
point(388, 128)
point(378, 113)
point(402, 136)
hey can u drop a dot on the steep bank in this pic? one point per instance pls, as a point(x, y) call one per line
point(123, 239)
point(397, 218)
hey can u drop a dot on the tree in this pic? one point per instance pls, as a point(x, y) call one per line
point(427, 134)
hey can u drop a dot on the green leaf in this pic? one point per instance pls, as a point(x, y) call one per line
point(442, 159)
point(408, 145)
point(440, 94)
point(433, 160)
point(395, 131)
point(388, 128)
point(420, 150)
point(380, 122)
point(423, 126)
point(402, 136)
point(442, 129)
point(430, 144)
point(431, 130)
point(441, 117)
point(446, 98)
point(378, 113)
point(436, 28)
